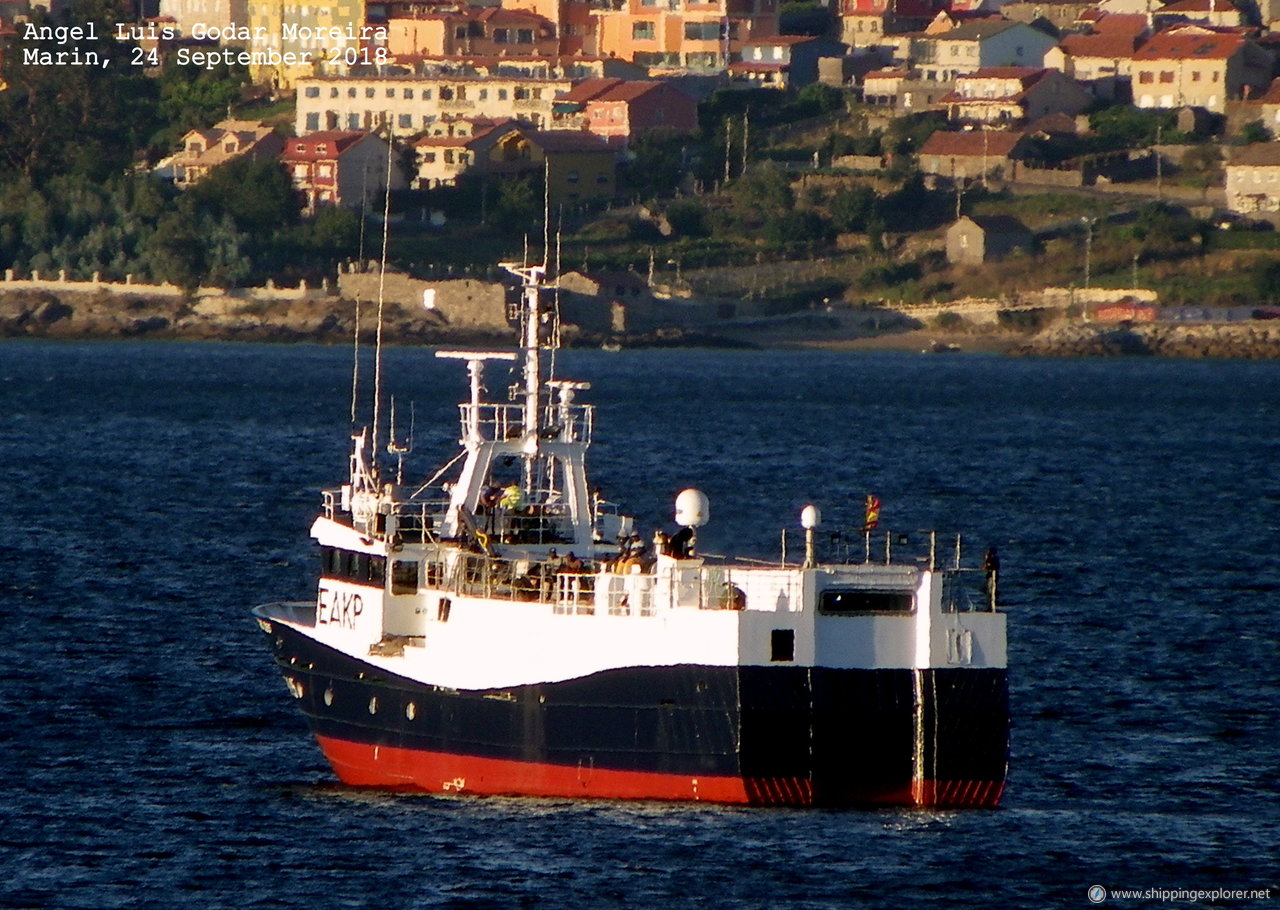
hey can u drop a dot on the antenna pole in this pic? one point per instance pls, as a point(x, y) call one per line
point(355, 364)
point(382, 282)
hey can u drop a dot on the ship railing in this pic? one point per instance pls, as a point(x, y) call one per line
point(420, 521)
point(574, 593)
point(540, 523)
point(481, 575)
point(927, 549)
point(968, 591)
point(626, 594)
point(496, 422)
point(735, 588)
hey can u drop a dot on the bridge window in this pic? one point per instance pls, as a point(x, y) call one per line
point(855, 602)
point(358, 568)
point(404, 577)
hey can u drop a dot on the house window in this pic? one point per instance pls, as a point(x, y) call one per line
point(300, 172)
point(1195, 76)
point(353, 121)
point(499, 36)
point(524, 36)
point(642, 31)
point(1146, 78)
point(408, 93)
point(333, 92)
point(484, 94)
point(351, 92)
point(1215, 75)
point(701, 31)
point(313, 122)
point(325, 170)
point(448, 156)
point(1166, 76)
point(391, 93)
point(313, 91)
point(299, 147)
point(502, 94)
point(572, 177)
point(426, 94)
point(460, 32)
point(370, 92)
point(429, 157)
point(406, 121)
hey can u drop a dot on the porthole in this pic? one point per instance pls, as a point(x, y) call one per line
point(328, 696)
point(373, 705)
point(411, 710)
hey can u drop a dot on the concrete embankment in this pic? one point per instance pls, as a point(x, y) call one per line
point(1252, 340)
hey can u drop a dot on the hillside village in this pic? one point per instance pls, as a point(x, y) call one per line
point(698, 164)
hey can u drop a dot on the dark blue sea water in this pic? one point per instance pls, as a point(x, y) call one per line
point(151, 757)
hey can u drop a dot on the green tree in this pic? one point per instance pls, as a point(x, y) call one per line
point(195, 97)
point(257, 195)
point(517, 204)
point(803, 18)
point(853, 207)
point(795, 225)
point(688, 218)
point(1253, 131)
point(61, 119)
point(1124, 126)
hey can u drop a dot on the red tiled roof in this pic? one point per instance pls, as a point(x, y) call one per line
point(628, 91)
point(780, 41)
point(1257, 154)
point(975, 144)
point(887, 74)
point(483, 127)
point(1200, 6)
point(322, 145)
point(1183, 45)
point(588, 90)
point(1111, 46)
point(1120, 24)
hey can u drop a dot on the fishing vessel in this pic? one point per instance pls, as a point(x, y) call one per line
point(501, 629)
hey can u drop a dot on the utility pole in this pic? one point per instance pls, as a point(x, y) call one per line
point(1159, 168)
point(1088, 249)
point(728, 146)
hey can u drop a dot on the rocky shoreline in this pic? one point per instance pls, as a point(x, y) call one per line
point(1249, 341)
point(330, 320)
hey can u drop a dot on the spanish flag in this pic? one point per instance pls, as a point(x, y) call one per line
point(873, 512)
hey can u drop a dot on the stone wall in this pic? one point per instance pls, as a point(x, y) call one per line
point(463, 302)
point(1252, 340)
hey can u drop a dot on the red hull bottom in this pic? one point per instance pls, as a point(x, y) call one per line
point(363, 765)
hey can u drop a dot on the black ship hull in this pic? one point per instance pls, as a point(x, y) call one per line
point(757, 735)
